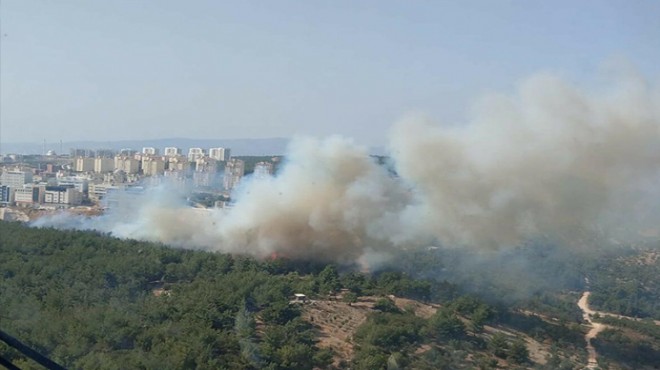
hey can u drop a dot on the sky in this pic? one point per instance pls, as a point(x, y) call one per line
point(137, 69)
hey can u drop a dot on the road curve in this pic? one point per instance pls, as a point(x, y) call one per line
point(596, 328)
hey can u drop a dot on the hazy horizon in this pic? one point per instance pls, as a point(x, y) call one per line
point(126, 70)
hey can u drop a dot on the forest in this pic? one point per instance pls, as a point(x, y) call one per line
point(91, 301)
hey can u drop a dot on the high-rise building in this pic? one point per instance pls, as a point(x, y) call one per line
point(105, 153)
point(178, 163)
point(153, 166)
point(83, 164)
point(127, 152)
point(263, 170)
point(150, 151)
point(220, 154)
point(234, 171)
point(204, 179)
point(195, 153)
point(206, 164)
point(171, 151)
point(129, 165)
point(102, 164)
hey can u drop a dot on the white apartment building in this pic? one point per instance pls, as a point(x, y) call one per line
point(263, 170)
point(220, 154)
point(195, 153)
point(127, 152)
point(234, 171)
point(153, 166)
point(206, 164)
point(172, 151)
point(178, 163)
point(150, 151)
point(15, 179)
point(103, 165)
point(129, 165)
point(204, 179)
point(83, 164)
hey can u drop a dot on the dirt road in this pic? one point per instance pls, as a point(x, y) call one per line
point(596, 328)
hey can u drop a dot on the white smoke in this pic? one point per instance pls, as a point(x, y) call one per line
point(552, 161)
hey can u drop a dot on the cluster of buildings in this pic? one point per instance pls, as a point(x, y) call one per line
point(89, 176)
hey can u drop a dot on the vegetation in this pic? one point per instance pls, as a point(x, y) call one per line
point(630, 351)
point(628, 285)
point(251, 160)
point(91, 301)
point(88, 300)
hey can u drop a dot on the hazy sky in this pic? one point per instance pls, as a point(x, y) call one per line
point(137, 69)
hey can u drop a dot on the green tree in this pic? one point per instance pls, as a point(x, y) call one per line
point(499, 345)
point(386, 305)
point(519, 352)
point(445, 324)
point(350, 298)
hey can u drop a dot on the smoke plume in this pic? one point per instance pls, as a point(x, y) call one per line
point(552, 161)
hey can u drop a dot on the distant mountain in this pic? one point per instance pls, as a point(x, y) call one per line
point(270, 146)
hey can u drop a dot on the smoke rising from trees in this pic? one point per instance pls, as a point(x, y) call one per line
point(552, 161)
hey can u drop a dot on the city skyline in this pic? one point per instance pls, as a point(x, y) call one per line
point(127, 70)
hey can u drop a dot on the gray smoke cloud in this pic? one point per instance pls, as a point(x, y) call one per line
point(552, 161)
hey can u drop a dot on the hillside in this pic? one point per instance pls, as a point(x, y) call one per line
point(90, 301)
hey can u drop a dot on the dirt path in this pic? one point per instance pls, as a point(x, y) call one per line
point(596, 328)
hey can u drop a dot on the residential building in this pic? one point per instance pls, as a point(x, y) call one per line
point(195, 153)
point(15, 179)
point(204, 179)
point(178, 163)
point(220, 154)
point(83, 164)
point(150, 151)
point(206, 164)
point(234, 171)
point(127, 152)
point(129, 165)
point(103, 164)
point(263, 170)
point(171, 151)
point(153, 166)
point(105, 153)
point(82, 153)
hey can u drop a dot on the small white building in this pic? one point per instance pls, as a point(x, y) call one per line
point(62, 195)
point(27, 195)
